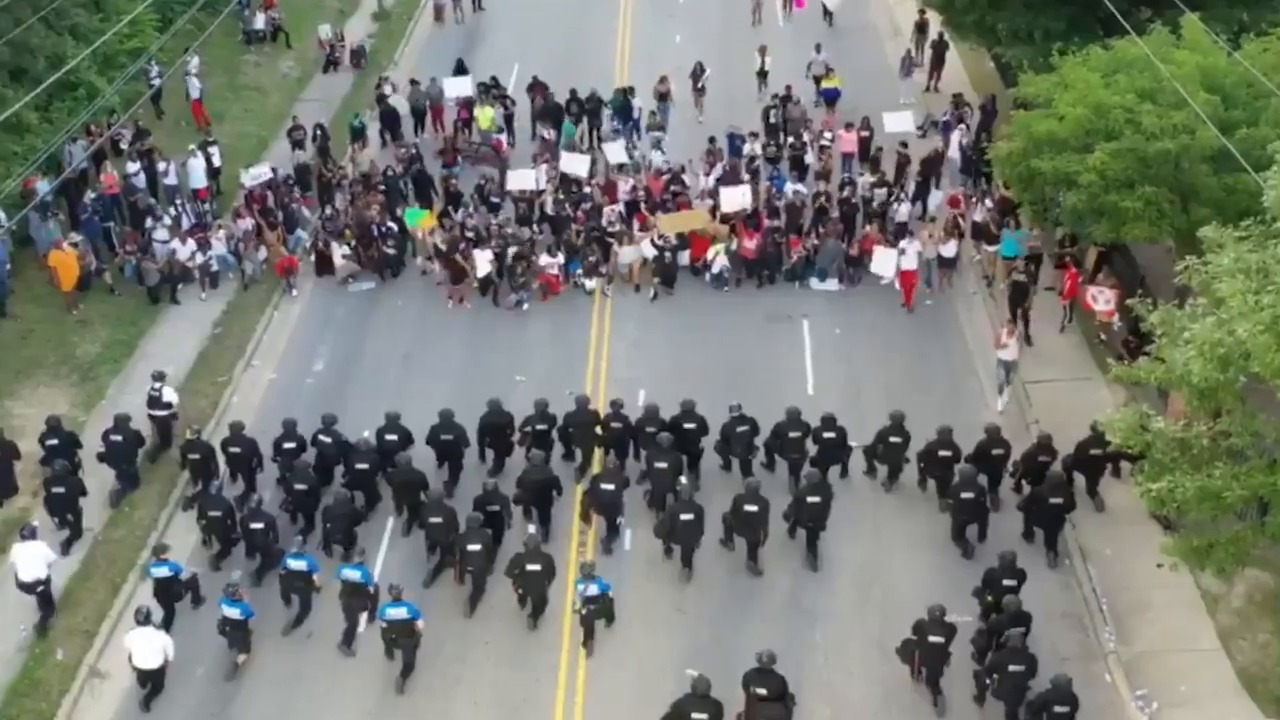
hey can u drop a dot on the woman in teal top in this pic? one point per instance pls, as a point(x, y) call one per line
point(1013, 242)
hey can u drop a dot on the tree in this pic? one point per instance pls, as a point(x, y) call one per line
point(1213, 467)
point(1106, 145)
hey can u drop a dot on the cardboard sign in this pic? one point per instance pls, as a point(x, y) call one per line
point(252, 177)
point(616, 152)
point(575, 164)
point(523, 180)
point(735, 198)
point(458, 87)
point(884, 262)
point(899, 121)
point(683, 222)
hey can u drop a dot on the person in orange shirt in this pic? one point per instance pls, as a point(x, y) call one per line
point(64, 273)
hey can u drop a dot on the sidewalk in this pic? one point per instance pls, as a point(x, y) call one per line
point(172, 345)
point(1162, 651)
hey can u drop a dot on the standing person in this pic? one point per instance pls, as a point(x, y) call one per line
point(150, 652)
point(828, 15)
point(1069, 291)
point(920, 35)
point(418, 107)
point(938, 49)
point(762, 63)
point(906, 73)
point(1019, 299)
point(155, 87)
point(32, 560)
point(698, 77)
point(195, 94)
point(162, 410)
point(435, 105)
point(757, 13)
point(816, 69)
point(909, 257)
point(1008, 346)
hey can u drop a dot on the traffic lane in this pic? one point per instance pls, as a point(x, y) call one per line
point(834, 631)
point(373, 353)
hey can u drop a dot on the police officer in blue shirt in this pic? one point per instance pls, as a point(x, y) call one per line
point(300, 578)
point(234, 614)
point(358, 595)
point(401, 630)
point(170, 587)
point(593, 601)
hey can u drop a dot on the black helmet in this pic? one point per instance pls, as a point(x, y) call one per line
point(395, 591)
point(587, 568)
point(945, 432)
point(1044, 438)
point(686, 491)
point(493, 404)
point(341, 496)
point(254, 502)
point(60, 466)
point(581, 401)
point(28, 532)
point(937, 611)
point(700, 685)
point(298, 544)
point(828, 419)
point(687, 405)
point(142, 616)
point(791, 413)
point(1015, 638)
point(231, 591)
point(404, 460)
point(967, 472)
point(474, 520)
point(537, 457)
point(489, 484)
point(159, 376)
point(812, 476)
point(364, 444)
point(541, 405)
point(616, 404)
point(435, 493)
point(289, 424)
point(1007, 559)
point(991, 430)
point(897, 417)
point(328, 420)
point(652, 410)
point(236, 427)
point(611, 462)
point(160, 551)
point(358, 555)
point(53, 422)
point(532, 541)
point(665, 439)
point(1010, 604)
point(121, 419)
point(1061, 681)
point(194, 432)
point(751, 485)
point(734, 409)
point(766, 658)
point(391, 416)
point(445, 415)
point(1055, 478)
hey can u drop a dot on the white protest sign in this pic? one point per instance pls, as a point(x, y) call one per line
point(899, 121)
point(458, 87)
point(522, 180)
point(575, 164)
point(734, 198)
point(616, 152)
point(252, 177)
point(884, 262)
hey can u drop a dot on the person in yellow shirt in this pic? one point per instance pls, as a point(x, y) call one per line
point(64, 273)
point(486, 120)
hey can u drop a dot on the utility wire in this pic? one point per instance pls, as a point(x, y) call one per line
point(105, 98)
point(24, 25)
point(1185, 95)
point(54, 78)
point(137, 106)
point(1225, 46)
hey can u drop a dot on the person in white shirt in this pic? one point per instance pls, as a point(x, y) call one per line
point(551, 264)
point(167, 170)
point(344, 268)
point(1008, 347)
point(134, 173)
point(159, 229)
point(197, 174)
point(482, 259)
point(32, 561)
point(155, 83)
point(909, 252)
point(760, 64)
point(195, 95)
point(150, 652)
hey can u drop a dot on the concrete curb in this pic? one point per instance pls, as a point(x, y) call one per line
point(98, 649)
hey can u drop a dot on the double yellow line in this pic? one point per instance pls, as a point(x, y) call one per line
point(582, 544)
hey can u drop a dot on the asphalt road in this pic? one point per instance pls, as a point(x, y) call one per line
point(398, 347)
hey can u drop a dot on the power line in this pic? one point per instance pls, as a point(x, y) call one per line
point(1185, 95)
point(130, 74)
point(1225, 46)
point(137, 106)
point(24, 25)
point(54, 78)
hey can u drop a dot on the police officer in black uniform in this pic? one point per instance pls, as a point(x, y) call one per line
point(682, 525)
point(1034, 462)
point(618, 434)
point(63, 491)
point(261, 539)
point(1058, 702)
point(1002, 579)
point(968, 505)
point(1090, 458)
point(810, 508)
point(474, 560)
point(889, 447)
point(1007, 676)
point(162, 411)
point(697, 704)
point(121, 446)
point(991, 456)
point(788, 439)
point(604, 497)
point(58, 443)
point(364, 467)
point(450, 442)
point(440, 530)
point(831, 446)
point(689, 428)
point(1047, 507)
point(531, 572)
point(339, 521)
point(198, 458)
point(538, 429)
point(496, 432)
point(302, 497)
point(580, 435)
point(748, 518)
point(937, 461)
point(216, 518)
point(930, 652)
point(299, 579)
point(409, 487)
point(766, 694)
point(171, 584)
point(332, 448)
point(995, 633)
point(391, 439)
point(495, 507)
point(649, 425)
point(243, 458)
point(288, 447)
point(737, 440)
point(663, 468)
point(537, 488)
point(358, 597)
point(401, 630)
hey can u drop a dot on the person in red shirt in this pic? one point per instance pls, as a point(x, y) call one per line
point(1068, 293)
point(750, 250)
point(287, 270)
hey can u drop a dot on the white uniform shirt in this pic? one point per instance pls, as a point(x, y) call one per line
point(483, 259)
point(909, 254)
point(197, 172)
point(31, 560)
point(195, 89)
point(149, 648)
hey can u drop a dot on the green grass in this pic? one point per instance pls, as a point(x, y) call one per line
point(393, 24)
point(1246, 612)
point(53, 362)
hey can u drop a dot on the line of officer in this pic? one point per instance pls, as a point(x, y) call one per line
point(604, 498)
point(234, 615)
point(927, 652)
point(737, 441)
point(993, 635)
point(358, 598)
point(537, 488)
point(788, 439)
point(991, 456)
point(243, 457)
point(810, 508)
point(449, 441)
point(338, 525)
point(287, 448)
point(1031, 466)
point(58, 443)
point(402, 624)
point(261, 535)
point(122, 445)
point(1007, 677)
point(494, 507)
point(593, 601)
point(579, 435)
point(63, 491)
point(998, 581)
point(968, 503)
point(162, 411)
point(1047, 507)
point(766, 694)
point(496, 432)
point(888, 447)
point(300, 579)
point(360, 475)
point(302, 497)
point(937, 461)
point(1090, 458)
point(474, 561)
point(747, 518)
point(170, 585)
point(537, 430)
point(216, 518)
point(531, 572)
point(440, 528)
point(689, 428)
point(682, 525)
point(198, 458)
point(618, 434)
point(392, 439)
point(409, 487)
point(831, 446)
point(697, 704)
point(332, 448)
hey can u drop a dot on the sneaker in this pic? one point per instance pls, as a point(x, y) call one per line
point(293, 292)
point(1001, 401)
point(204, 297)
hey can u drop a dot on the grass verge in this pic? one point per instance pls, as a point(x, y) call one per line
point(394, 23)
point(54, 362)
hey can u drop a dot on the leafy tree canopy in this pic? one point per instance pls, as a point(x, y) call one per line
point(1106, 145)
point(1214, 468)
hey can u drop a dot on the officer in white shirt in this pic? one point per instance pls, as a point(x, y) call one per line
point(162, 411)
point(32, 559)
point(150, 652)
